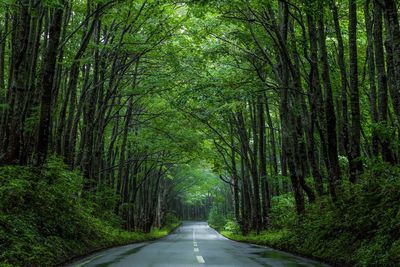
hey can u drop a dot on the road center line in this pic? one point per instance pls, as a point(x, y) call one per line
point(200, 259)
point(196, 249)
point(195, 244)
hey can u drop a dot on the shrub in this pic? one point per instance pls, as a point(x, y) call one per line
point(44, 220)
point(232, 227)
point(171, 218)
point(361, 228)
point(216, 219)
point(282, 212)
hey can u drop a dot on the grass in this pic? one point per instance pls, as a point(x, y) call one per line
point(271, 238)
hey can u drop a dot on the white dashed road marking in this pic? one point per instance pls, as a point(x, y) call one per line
point(200, 259)
point(196, 249)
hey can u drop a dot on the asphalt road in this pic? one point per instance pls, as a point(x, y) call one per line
point(193, 244)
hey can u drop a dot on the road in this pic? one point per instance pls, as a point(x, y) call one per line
point(193, 244)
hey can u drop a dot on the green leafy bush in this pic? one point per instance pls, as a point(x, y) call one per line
point(362, 228)
point(216, 219)
point(171, 218)
point(44, 221)
point(282, 213)
point(232, 227)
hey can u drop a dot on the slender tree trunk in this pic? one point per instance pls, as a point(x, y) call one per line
point(334, 169)
point(390, 8)
point(3, 41)
point(382, 84)
point(250, 161)
point(48, 72)
point(67, 127)
point(394, 93)
point(371, 75)
point(235, 178)
point(3, 88)
point(344, 120)
point(121, 175)
point(355, 161)
point(263, 162)
point(15, 120)
point(298, 133)
point(246, 203)
point(315, 99)
point(89, 108)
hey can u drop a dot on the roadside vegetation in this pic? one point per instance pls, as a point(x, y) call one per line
point(45, 219)
point(360, 229)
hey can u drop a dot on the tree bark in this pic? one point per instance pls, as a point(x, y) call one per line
point(334, 169)
point(19, 74)
point(390, 8)
point(47, 89)
point(314, 102)
point(263, 162)
point(355, 161)
point(384, 138)
point(371, 75)
point(344, 120)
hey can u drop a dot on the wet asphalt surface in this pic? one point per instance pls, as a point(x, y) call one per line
point(193, 244)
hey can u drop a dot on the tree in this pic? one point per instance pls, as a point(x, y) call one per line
point(355, 154)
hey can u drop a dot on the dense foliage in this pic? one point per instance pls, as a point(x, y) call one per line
point(278, 121)
point(45, 220)
point(360, 229)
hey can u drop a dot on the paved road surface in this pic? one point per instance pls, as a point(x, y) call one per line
point(193, 244)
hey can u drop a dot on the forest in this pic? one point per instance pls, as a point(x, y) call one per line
point(277, 121)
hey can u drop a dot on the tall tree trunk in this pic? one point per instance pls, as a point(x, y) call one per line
point(263, 162)
point(334, 169)
point(315, 100)
point(384, 139)
point(67, 126)
point(394, 93)
point(344, 118)
point(89, 110)
point(246, 207)
point(371, 75)
point(287, 125)
point(251, 164)
point(300, 148)
point(19, 74)
point(390, 8)
point(3, 41)
point(121, 175)
point(48, 71)
point(355, 161)
point(235, 177)
point(3, 89)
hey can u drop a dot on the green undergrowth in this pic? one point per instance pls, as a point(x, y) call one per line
point(361, 229)
point(45, 221)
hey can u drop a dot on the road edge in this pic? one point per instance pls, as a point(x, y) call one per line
point(285, 249)
point(75, 258)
